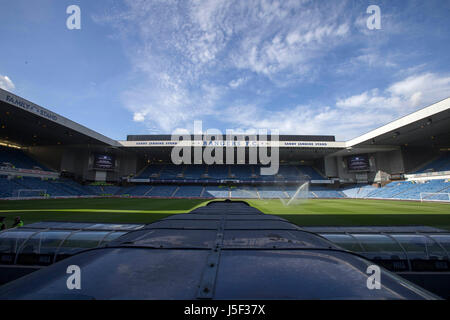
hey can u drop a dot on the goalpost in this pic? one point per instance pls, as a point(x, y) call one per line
point(434, 196)
point(30, 193)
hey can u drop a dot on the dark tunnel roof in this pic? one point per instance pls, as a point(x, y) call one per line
point(225, 250)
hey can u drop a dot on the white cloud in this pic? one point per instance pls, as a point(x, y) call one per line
point(185, 52)
point(284, 42)
point(402, 96)
point(168, 105)
point(350, 116)
point(374, 60)
point(422, 88)
point(6, 83)
point(237, 82)
point(187, 56)
point(354, 101)
point(139, 116)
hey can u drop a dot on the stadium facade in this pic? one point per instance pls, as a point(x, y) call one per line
point(43, 153)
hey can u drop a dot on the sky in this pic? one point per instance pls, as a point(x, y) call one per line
point(300, 67)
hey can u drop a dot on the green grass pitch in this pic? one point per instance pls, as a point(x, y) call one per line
point(306, 213)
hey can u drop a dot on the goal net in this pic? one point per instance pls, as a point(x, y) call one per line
point(434, 196)
point(30, 193)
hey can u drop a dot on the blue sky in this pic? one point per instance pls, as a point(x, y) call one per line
point(302, 67)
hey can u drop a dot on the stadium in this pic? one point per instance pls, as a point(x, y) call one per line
point(384, 195)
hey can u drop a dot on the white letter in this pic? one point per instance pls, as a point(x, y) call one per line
point(74, 281)
point(374, 281)
point(274, 159)
point(198, 138)
point(215, 146)
point(374, 21)
point(73, 21)
point(186, 150)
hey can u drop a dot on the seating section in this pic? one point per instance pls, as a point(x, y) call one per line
point(244, 172)
point(323, 192)
point(216, 192)
point(19, 159)
point(402, 190)
point(7, 187)
point(268, 187)
point(358, 191)
point(223, 172)
point(247, 193)
point(170, 172)
point(162, 191)
point(151, 171)
point(137, 191)
point(440, 164)
point(189, 191)
point(194, 172)
point(391, 190)
point(53, 188)
point(104, 190)
point(310, 172)
point(433, 186)
point(272, 192)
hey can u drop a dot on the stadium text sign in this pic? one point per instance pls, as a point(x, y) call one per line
point(238, 144)
point(212, 152)
point(28, 106)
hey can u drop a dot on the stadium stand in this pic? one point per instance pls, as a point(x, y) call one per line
point(358, 191)
point(433, 186)
point(151, 171)
point(442, 163)
point(7, 187)
point(221, 172)
point(218, 172)
point(323, 192)
point(391, 190)
point(244, 172)
point(139, 190)
point(103, 190)
point(19, 159)
point(52, 188)
point(194, 172)
point(171, 172)
point(310, 172)
point(402, 190)
point(162, 191)
point(31, 186)
point(272, 192)
point(217, 192)
point(189, 191)
point(244, 193)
